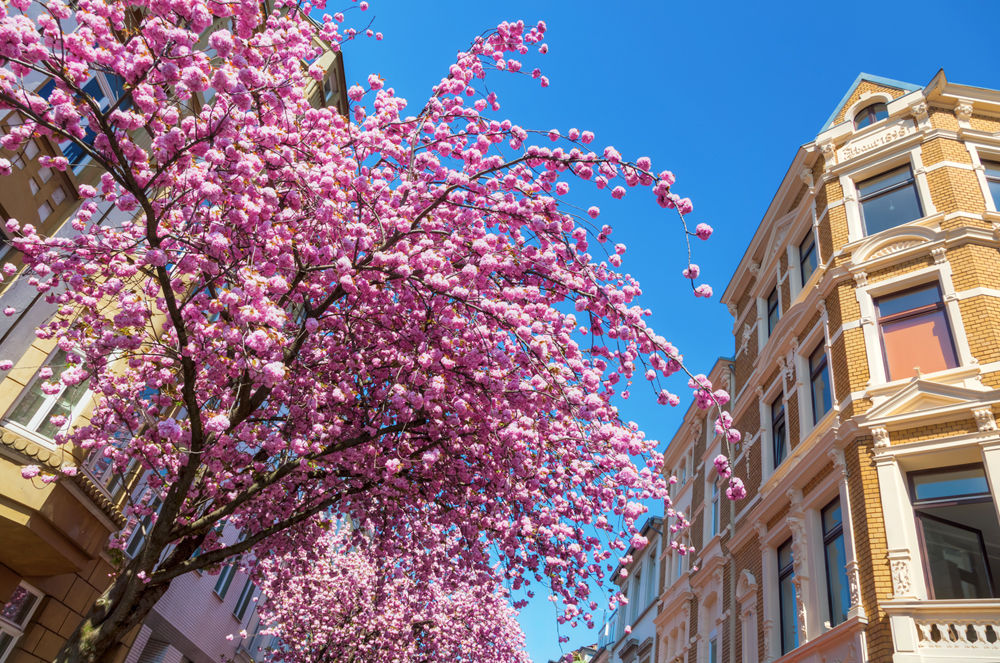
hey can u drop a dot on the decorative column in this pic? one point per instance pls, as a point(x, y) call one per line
point(897, 514)
point(797, 524)
point(851, 564)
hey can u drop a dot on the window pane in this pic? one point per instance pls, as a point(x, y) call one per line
point(807, 257)
point(836, 572)
point(832, 517)
point(64, 406)
point(891, 209)
point(995, 192)
point(908, 300)
point(919, 342)
point(992, 169)
point(779, 439)
point(955, 555)
point(789, 618)
point(956, 482)
point(884, 181)
point(785, 556)
point(17, 609)
point(820, 384)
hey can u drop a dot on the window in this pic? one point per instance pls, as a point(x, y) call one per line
point(956, 521)
point(786, 598)
point(141, 530)
point(713, 649)
point(779, 436)
point(837, 592)
point(819, 383)
point(807, 257)
point(225, 579)
point(889, 200)
point(635, 603)
point(773, 310)
point(36, 408)
point(915, 333)
point(105, 90)
point(870, 114)
point(246, 596)
point(15, 615)
point(993, 181)
point(651, 576)
point(715, 507)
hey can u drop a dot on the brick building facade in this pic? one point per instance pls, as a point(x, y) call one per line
point(866, 382)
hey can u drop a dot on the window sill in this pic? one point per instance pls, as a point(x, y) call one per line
point(830, 643)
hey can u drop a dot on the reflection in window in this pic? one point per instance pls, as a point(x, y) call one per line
point(870, 114)
point(959, 532)
point(889, 200)
point(786, 598)
point(993, 181)
point(837, 592)
point(915, 332)
point(35, 410)
point(773, 310)
point(14, 617)
point(779, 437)
point(819, 383)
point(807, 257)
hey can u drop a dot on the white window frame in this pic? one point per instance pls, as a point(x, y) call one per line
point(17, 630)
point(979, 153)
point(30, 430)
point(769, 567)
point(852, 202)
point(939, 273)
point(816, 337)
point(767, 397)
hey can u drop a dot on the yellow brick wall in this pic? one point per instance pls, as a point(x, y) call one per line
point(944, 149)
point(933, 431)
point(863, 88)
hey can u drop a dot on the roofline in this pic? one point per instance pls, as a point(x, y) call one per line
point(881, 80)
point(720, 364)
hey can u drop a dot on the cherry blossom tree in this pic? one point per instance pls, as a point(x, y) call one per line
point(391, 317)
point(342, 601)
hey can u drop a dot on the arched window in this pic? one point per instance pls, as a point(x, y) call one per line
point(869, 114)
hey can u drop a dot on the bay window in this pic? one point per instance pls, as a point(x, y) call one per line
point(889, 200)
point(915, 333)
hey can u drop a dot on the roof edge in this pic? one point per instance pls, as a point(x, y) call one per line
point(872, 78)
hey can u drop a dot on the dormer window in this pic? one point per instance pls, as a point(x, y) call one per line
point(870, 114)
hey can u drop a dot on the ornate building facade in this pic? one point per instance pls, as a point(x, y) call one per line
point(866, 382)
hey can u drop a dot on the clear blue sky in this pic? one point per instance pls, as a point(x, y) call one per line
point(722, 93)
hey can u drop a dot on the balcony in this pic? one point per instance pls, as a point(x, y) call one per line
point(931, 631)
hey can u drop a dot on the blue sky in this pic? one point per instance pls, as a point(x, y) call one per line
point(721, 93)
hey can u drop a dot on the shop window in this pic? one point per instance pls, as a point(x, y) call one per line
point(15, 615)
point(870, 115)
point(993, 181)
point(807, 257)
point(35, 410)
point(786, 598)
point(889, 200)
point(819, 383)
point(915, 333)
point(837, 592)
point(779, 433)
point(773, 310)
point(958, 531)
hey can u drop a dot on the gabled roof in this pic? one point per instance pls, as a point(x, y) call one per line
point(879, 80)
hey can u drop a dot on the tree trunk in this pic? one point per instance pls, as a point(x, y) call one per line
point(119, 609)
